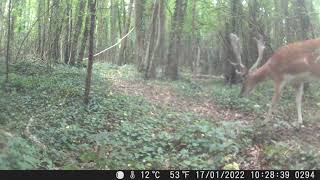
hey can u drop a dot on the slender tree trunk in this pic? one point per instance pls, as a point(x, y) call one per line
point(160, 45)
point(44, 28)
point(91, 48)
point(84, 40)
point(175, 39)
point(123, 47)
point(138, 4)
point(158, 50)
point(49, 41)
point(8, 55)
point(1, 26)
point(287, 28)
point(113, 32)
point(67, 38)
point(77, 31)
point(124, 13)
point(278, 25)
point(149, 58)
point(193, 39)
point(57, 26)
point(39, 49)
point(304, 20)
point(119, 18)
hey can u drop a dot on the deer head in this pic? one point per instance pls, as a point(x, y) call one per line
point(247, 75)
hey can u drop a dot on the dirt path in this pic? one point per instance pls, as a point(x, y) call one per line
point(204, 107)
point(201, 106)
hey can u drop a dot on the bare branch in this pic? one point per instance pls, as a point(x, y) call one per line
point(32, 137)
point(113, 45)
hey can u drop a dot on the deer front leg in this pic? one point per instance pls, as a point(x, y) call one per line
point(299, 102)
point(275, 99)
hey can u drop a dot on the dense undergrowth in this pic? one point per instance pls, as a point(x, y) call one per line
point(119, 131)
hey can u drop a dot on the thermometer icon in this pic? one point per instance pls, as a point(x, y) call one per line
point(132, 176)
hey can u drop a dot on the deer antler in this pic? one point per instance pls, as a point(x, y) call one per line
point(261, 46)
point(235, 43)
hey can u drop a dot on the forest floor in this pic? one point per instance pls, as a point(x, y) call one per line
point(204, 106)
point(155, 124)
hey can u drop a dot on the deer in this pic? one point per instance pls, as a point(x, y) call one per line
point(292, 64)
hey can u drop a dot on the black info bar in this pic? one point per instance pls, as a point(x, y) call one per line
point(162, 174)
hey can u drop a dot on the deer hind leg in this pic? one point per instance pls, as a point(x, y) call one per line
point(275, 99)
point(299, 102)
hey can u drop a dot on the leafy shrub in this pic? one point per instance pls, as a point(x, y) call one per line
point(17, 153)
point(282, 155)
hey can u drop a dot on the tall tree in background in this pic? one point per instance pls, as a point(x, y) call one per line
point(155, 43)
point(9, 29)
point(287, 21)
point(45, 18)
point(171, 70)
point(303, 19)
point(159, 52)
point(49, 19)
point(139, 9)
point(77, 31)
point(92, 4)
point(113, 28)
point(40, 47)
point(56, 17)
point(150, 69)
point(68, 30)
point(195, 49)
point(1, 26)
point(121, 59)
point(84, 39)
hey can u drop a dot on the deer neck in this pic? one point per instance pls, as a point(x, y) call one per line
point(260, 75)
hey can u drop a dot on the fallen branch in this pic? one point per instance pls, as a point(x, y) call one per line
point(203, 76)
point(6, 133)
point(31, 137)
point(113, 45)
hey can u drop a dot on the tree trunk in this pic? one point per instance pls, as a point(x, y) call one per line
point(175, 39)
point(67, 38)
point(139, 8)
point(39, 49)
point(303, 20)
point(77, 31)
point(92, 4)
point(160, 47)
point(8, 54)
point(44, 32)
point(84, 40)
point(287, 25)
point(193, 38)
point(57, 30)
point(113, 29)
point(156, 42)
point(149, 58)
point(121, 59)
